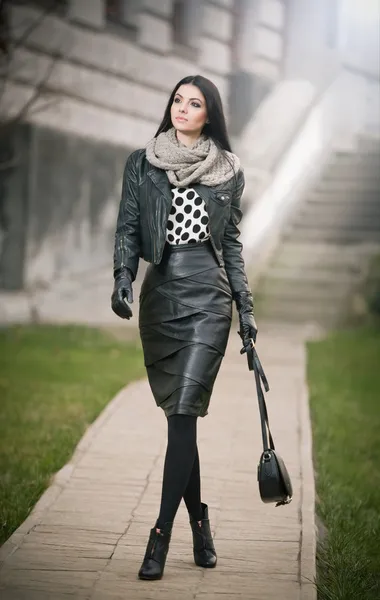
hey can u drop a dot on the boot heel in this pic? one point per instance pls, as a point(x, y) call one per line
point(155, 555)
point(203, 544)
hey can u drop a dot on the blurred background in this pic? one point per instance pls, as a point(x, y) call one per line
point(85, 82)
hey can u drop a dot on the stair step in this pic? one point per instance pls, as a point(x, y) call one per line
point(331, 235)
point(364, 185)
point(352, 158)
point(307, 291)
point(369, 144)
point(324, 251)
point(339, 222)
point(340, 209)
point(315, 261)
point(359, 171)
point(319, 275)
point(369, 197)
point(298, 311)
point(340, 227)
point(321, 248)
point(311, 298)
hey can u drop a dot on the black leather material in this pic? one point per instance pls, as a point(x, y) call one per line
point(184, 319)
point(143, 214)
point(122, 294)
point(248, 327)
point(272, 475)
point(156, 552)
point(273, 479)
point(203, 544)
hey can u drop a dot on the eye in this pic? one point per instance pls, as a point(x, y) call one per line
point(196, 104)
point(177, 100)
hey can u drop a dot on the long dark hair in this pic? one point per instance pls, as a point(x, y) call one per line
point(216, 129)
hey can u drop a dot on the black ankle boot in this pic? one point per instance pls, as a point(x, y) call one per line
point(203, 545)
point(156, 551)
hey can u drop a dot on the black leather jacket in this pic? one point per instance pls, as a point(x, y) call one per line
point(145, 204)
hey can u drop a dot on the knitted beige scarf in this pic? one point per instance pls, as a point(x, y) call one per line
point(202, 163)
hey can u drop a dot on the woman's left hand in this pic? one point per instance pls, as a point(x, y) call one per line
point(122, 294)
point(248, 328)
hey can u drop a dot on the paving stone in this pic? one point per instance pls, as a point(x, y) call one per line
point(39, 556)
point(112, 523)
point(257, 590)
point(94, 543)
point(250, 585)
point(285, 532)
point(116, 587)
point(14, 593)
point(48, 581)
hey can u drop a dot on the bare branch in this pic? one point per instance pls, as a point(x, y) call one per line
point(20, 41)
point(38, 90)
point(40, 98)
point(9, 164)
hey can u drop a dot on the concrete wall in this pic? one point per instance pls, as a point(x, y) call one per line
point(323, 36)
point(311, 49)
point(60, 205)
point(107, 83)
point(257, 57)
point(13, 207)
point(359, 36)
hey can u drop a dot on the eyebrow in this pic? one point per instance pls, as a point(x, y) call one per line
point(199, 100)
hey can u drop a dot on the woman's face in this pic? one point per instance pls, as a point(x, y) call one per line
point(189, 111)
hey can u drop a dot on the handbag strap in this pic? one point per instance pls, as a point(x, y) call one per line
point(255, 365)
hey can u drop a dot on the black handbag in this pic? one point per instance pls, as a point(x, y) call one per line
point(272, 475)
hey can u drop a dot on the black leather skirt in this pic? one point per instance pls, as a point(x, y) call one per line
point(184, 320)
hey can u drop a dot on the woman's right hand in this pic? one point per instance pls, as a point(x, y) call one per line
point(122, 293)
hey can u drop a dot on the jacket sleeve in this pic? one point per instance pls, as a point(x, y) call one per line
point(232, 248)
point(127, 237)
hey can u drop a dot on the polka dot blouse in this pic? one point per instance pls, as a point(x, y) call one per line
point(188, 218)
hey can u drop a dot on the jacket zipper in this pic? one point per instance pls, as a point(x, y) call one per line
point(121, 250)
point(152, 237)
point(220, 263)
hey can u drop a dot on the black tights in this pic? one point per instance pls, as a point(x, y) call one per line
point(181, 470)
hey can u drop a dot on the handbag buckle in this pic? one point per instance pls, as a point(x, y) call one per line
point(283, 502)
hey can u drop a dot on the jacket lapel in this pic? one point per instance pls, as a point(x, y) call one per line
point(161, 182)
point(203, 191)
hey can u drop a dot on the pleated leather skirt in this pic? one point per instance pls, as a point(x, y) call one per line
point(184, 320)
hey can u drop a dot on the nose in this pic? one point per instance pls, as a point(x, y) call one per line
point(183, 109)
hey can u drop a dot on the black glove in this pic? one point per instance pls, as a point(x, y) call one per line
point(122, 293)
point(248, 327)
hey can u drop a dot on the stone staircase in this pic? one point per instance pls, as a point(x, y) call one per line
point(326, 245)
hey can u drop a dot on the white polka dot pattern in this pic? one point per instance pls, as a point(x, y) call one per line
point(188, 218)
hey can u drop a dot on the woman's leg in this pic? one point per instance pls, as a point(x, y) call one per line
point(179, 463)
point(181, 480)
point(192, 495)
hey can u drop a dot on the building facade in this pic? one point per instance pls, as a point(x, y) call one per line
point(86, 82)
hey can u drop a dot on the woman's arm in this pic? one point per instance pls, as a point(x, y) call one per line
point(232, 248)
point(127, 237)
point(235, 269)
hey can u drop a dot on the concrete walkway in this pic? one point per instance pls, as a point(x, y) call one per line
point(87, 535)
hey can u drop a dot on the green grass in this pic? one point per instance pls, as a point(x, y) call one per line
point(54, 381)
point(344, 382)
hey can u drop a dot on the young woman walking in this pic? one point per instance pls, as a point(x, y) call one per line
point(180, 210)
